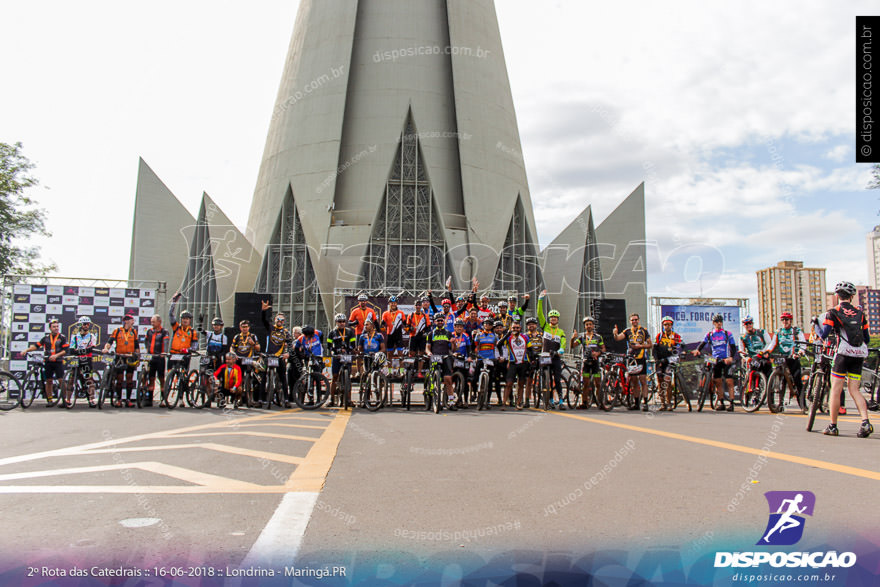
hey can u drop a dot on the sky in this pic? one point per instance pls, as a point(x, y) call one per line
point(738, 116)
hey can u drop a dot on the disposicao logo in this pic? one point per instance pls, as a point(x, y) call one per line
point(786, 524)
point(784, 528)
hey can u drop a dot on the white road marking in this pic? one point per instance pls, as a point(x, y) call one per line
point(279, 542)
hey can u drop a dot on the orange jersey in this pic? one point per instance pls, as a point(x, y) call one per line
point(419, 324)
point(360, 316)
point(126, 340)
point(391, 319)
point(183, 338)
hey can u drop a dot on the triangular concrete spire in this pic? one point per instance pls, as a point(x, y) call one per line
point(162, 231)
point(622, 248)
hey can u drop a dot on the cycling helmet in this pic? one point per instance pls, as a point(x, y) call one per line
point(512, 299)
point(497, 323)
point(216, 322)
point(531, 320)
point(589, 319)
point(666, 319)
point(54, 321)
point(308, 330)
point(748, 319)
point(786, 315)
point(553, 313)
point(392, 300)
point(459, 299)
point(488, 320)
point(845, 287)
point(84, 320)
point(368, 321)
point(484, 297)
point(340, 318)
point(459, 322)
point(446, 302)
point(717, 318)
point(502, 304)
point(362, 298)
point(186, 314)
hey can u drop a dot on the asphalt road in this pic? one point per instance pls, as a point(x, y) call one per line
point(158, 488)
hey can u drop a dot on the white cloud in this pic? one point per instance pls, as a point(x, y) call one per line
point(838, 153)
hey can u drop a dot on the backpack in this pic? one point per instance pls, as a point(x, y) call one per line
point(851, 341)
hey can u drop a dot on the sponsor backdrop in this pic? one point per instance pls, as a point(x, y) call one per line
point(693, 322)
point(34, 305)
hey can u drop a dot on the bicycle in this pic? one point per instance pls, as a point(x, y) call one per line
point(460, 369)
point(110, 388)
point(678, 394)
point(250, 380)
point(343, 381)
point(706, 386)
point(176, 380)
point(780, 380)
point(311, 391)
point(143, 381)
point(10, 391)
point(81, 380)
point(275, 392)
point(871, 382)
point(819, 386)
point(574, 385)
point(546, 384)
point(200, 382)
point(484, 377)
point(754, 392)
point(373, 383)
point(616, 390)
point(34, 385)
point(435, 395)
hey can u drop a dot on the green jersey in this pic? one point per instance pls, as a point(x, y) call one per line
point(754, 343)
point(554, 336)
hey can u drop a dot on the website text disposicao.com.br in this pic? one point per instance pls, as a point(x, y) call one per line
point(782, 578)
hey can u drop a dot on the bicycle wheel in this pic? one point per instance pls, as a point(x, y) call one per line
point(679, 393)
point(10, 391)
point(775, 392)
point(140, 396)
point(174, 384)
point(30, 388)
point(606, 394)
point(705, 384)
point(375, 393)
point(72, 389)
point(546, 388)
point(108, 382)
point(573, 392)
point(754, 392)
point(483, 391)
point(820, 393)
point(437, 392)
point(406, 389)
point(343, 389)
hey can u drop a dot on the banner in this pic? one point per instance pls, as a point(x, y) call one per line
point(694, 322)
point(33, 306)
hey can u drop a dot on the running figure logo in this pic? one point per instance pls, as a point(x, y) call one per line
point(786, 524)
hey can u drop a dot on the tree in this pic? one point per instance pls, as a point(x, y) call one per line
point(19, 218)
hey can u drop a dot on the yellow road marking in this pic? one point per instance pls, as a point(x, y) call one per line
point(868, 474)
point(267, 424)
point(310, 475)
point(235, 450)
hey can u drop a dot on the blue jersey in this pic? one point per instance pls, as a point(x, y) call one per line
point(461, 345)
point(484, 343)
point(310, 346)
point(722, 342)
point(449, 319)
point(371, 344)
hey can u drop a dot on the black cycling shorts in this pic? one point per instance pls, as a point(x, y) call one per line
point(847, 367)
point(417, 343)
point(53, 370)
point(395, 341)
point(517, 371)
point(590, 368)
point(157, 367)
point(721, 370)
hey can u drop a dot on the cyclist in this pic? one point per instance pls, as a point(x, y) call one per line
point(342, 341)
point(724, 350)
point(446, 315)
point(54, 347)
point(126, 341)
point(593, 346)
point(514, 346)
point(536, 343)
point(278, 344)
point(183, 335)
point(518, 311)
point(785, 340)
point(638, 340)
point(82, 343)
point(228, 378)
point(245, 344)
point(851, 327)
point(753, 342)
point(505, 317)
point(371, 341)
point(440, 343)
point(483, 310)
point(155, 343)
point(310, 344)
point(360, 314)
point(393, 327)
point(554, 343)
point(216, 343)
point(667, 344)
point(419, 324)
point(484, 346)
point(462, 346)
point(500, 361)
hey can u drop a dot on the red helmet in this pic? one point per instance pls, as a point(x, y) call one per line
point(446, 302)
point(786, 315)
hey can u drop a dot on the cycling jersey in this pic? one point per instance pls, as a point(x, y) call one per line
point(754, 343)
point(484, 344)
point(342, 342)
point(462, 344)
point(244, 346)
point(126, 340)
point(515, 348)
point(536, 342)
point(81, 342)
point(154, 341)
point(447, 319)
point(471, 326)
point(633, 337)
point(215, 344)
point(851, 328)
point(371, 344)
point(484, 312)
point(279, 341)
point(419, 324)
point(666, 344)
point(592, 344)
point(311, 345)
point(229, 377)
point(722, 342)
point(394, 322)
point(359, 316)
point(183, 337)
point(506, 320)
point(53, 344)
point(440, 341)
point(554, 336)
point(784, 340)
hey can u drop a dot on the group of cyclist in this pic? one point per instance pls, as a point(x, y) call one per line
point(465, 327)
